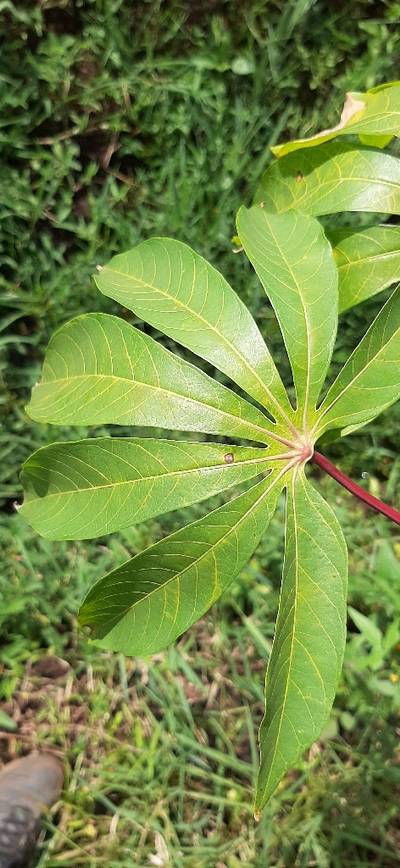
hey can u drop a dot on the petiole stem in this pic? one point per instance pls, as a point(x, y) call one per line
point(355, 489)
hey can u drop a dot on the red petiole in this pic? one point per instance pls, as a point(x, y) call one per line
point(355, 489)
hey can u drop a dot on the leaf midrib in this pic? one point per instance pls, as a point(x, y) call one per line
point(253, 425)
point(162, 476)
point(355, 378)
point(307, 323)
point(290, 658)
point(211, 548)
point(202, 319)
point(343, 178)
point(364, 259)
point(357, 126)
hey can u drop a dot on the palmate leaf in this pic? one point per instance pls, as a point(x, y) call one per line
point(308, 647)
point(294, 262)
point(91, 487)
point(175, 290)
point(367, 262)
point(369, 382)
point(374, 116)
point(149, 601)
point(99, 369)
point(331, 178)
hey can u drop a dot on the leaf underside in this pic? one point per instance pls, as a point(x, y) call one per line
point(99, 369)
point(331, 178)
point(369, 382)
point(144, 605)
point(177, 291)
point(367, 262)
point(294, 262)
point(308, 647)
point(88, 488)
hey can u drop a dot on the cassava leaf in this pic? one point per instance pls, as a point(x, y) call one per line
point(331, 178)
point(92, 487)
point(294, 262)
point(367, 262)
point(369, 382)
point(308, 647)
point(149, 601)
point(99, 369)
point(374, 115)
point(174, 289)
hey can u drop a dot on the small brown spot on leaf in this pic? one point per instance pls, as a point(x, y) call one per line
point(229, 458)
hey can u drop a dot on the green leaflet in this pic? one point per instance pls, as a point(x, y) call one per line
point(331, 178)
point(99, 369)
point(92, 487)
point(308, 647)
point(374, 116)
point(146, 603)
point(294, 262)
point(367, 261)
point(174, 289)
point(369, 382)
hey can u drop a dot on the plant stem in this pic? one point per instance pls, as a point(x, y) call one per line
point(355, 489)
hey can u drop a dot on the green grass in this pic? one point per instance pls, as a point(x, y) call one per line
point(120, 121)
